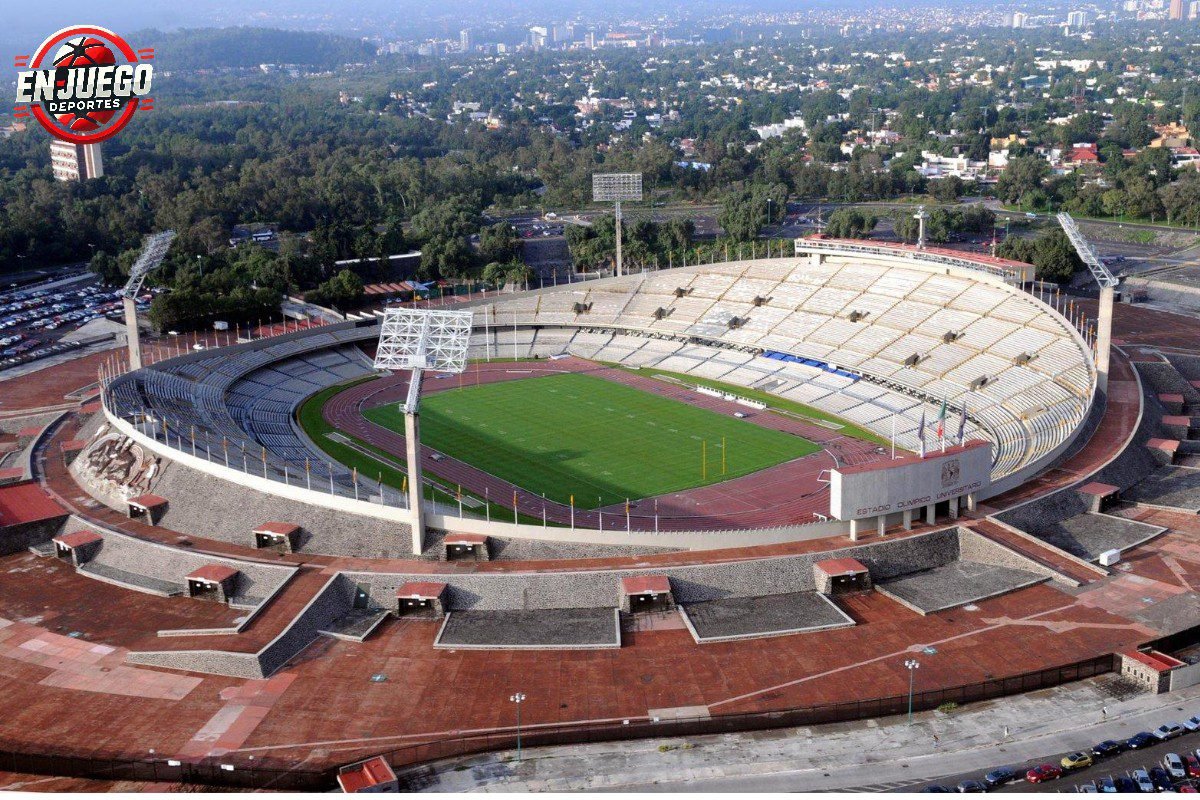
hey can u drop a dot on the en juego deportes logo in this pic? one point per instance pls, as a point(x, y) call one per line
point(84, 84)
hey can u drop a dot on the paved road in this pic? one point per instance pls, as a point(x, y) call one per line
point(1119, 765)
point(872, 755)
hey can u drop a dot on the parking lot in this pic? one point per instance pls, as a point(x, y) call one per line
point(1123, 764)
point(34, 319)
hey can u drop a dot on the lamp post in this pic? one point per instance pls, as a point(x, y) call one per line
point(912, 665)
point(518, 698)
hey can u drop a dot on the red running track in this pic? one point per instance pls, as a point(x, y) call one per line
point(786, 494)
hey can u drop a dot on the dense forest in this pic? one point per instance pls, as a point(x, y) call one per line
point(356, 155)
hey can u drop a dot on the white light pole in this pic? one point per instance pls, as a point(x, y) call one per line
point(912, 665)
point(518, 698)
point(614, 187)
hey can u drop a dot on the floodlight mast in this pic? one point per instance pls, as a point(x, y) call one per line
point(921, 216)
point(417, 340)
point(1108, 284)
point(153, 252)
point(615, 187)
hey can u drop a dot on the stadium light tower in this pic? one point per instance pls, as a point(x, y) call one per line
point(417, 340)
point(613, 187)
point(920, 217)
point(153, 252)
point(1108, 284)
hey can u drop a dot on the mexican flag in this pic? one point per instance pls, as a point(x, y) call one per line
point(941, 421)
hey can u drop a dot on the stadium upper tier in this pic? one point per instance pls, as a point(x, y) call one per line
point(879, 340)
point(921, 330)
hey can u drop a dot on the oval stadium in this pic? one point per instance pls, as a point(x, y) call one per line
point(720, 497)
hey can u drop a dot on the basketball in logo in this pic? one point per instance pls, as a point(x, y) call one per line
point(84, 83)
point(83, 51)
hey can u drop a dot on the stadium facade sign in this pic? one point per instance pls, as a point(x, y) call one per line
point(910, 483)
point(84, 84)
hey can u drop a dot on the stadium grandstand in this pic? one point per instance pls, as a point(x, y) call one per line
point(884, 338)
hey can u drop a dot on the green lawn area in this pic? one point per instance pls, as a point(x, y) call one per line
point(600, 441)
point(839, 425)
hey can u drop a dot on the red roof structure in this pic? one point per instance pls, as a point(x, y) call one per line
point(212, 573)
point(366, 776)
point(471, 539)
point(1084, 154)
point(147, 501)
point(27, 502)
point(1098, 489)
point(421, 590)
point(78, 538)
point(841, 566)
point(1159, 662)
point(277, 528)
point(646, 584)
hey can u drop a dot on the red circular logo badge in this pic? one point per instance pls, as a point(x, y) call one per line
point(84, 84)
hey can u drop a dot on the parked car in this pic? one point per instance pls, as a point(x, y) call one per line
point(1076, 761)
point(999, 777)
point(1141, 779)
point(1140, 740)
point(1191, 763)
point(1188, 787)
point(936, 788)
point(1043, 772)
point(1108, 786)
point(1107, 748)
point(1168, 731)
point(1161, 780)
point(1087, 788)
point(972, 787)
point(1125, 785)
point(1174, 766)
point(1192, 723)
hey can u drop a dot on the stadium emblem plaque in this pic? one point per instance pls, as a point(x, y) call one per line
point(84, 84)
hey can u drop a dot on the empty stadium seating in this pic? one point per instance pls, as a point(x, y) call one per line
point(875, 343)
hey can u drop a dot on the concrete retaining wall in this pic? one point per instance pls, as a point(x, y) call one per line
point(689, 584)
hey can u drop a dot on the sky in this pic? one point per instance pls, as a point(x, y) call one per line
point(21, 33)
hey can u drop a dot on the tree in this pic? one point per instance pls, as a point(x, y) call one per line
point(850, 223)
point(1023, 175)
point(946, 190)
point(446, 257)
point(499, 242)
point(1181, 199)
point(512, 273)
point(1051, 253)
point(107, 268)
point(744, 211)
point(342, 291)
point(1055, 257)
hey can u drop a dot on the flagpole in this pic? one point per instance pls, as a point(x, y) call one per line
point(893, 435)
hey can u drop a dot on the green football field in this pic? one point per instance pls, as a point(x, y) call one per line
point(600, 441)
